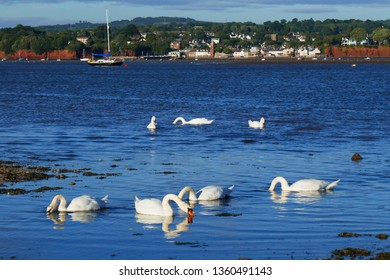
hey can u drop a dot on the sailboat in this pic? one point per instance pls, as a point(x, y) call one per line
point(84, 58)
point(105, 59)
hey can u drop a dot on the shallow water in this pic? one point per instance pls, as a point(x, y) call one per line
point(73, 116)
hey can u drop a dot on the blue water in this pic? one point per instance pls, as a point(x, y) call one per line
point(70, 115)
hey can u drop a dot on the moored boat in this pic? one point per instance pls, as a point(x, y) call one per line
point(105, 59)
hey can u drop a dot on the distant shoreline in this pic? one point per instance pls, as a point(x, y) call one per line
point(256, 60)
point(278, 60)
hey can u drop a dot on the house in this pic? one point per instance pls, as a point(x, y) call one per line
point(241, 54)
point(175, 45)
point(283, 52)
point(352, 42)
point(307, 52)
point(82, 39)
point(198, 54)
point(348, 42)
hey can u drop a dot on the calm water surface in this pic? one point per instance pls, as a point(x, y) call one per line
point(73, 116)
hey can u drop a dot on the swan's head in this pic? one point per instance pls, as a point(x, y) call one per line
point(51, 208)
point(184, 206)
point(153, 120)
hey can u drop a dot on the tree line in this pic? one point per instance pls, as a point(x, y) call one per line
point(154, 35)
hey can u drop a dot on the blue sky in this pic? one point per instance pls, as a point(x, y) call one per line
point(47, 12)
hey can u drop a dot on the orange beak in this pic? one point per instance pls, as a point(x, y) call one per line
point(191, 215)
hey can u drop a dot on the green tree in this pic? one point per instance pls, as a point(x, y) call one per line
point(358, 34)
point(381, 35)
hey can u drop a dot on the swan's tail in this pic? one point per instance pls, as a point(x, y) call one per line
point(105, 199)
point(332, 185)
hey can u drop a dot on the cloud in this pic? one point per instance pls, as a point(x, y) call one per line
point(207, 4)
point(310, 10)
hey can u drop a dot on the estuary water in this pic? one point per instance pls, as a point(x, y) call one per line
point(92, 122)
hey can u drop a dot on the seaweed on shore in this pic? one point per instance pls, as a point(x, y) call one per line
point(360, 253)
point(17, 191)
point(13, 172)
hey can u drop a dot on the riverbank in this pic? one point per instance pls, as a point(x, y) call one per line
point(254, 60)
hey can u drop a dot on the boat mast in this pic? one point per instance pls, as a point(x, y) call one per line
point(108, 34)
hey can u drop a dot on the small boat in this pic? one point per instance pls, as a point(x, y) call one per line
point(84, 58)
point(105, 59)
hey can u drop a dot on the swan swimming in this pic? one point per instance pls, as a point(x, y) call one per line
point(153, 206)
point(153, 124)
point(196, 121)
point(257, 124)
point(81, 203)
point(206, 193)
point(303, 185)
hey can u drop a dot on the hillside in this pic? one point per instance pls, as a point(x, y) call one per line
point(138, 21)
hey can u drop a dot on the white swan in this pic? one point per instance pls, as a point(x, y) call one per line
point(81, 203)
point(153, 124)
point(196, 121)
point(153, 206)
point(303, 185)
point(257, 124)
point(206, 193)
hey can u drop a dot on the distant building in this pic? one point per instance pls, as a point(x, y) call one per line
point(82, 39)
point(307, 52)
point(352, 42)
point(175, 45)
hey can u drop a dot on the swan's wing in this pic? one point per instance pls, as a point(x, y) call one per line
point(148, 206)
point(254, 124)
point(213, 193)
point(308, 185)
point(83, 203)
point(200, 121)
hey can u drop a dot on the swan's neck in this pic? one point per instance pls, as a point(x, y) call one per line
point(283, 182)
point(62, 203)
point(183, 121)
point(190, 191)
point(168, 209)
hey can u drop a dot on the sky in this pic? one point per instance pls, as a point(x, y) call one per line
point(51, 12)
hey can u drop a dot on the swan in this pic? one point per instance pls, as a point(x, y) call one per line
point(153, 124)
point(153, 206)
point(196, 121)
point(81, 203)
point(257, 124)
point(206, 193)
point(303, 185)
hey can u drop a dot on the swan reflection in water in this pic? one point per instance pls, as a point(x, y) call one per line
point(150, 221)
point(59, 218)
point(298, 197)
